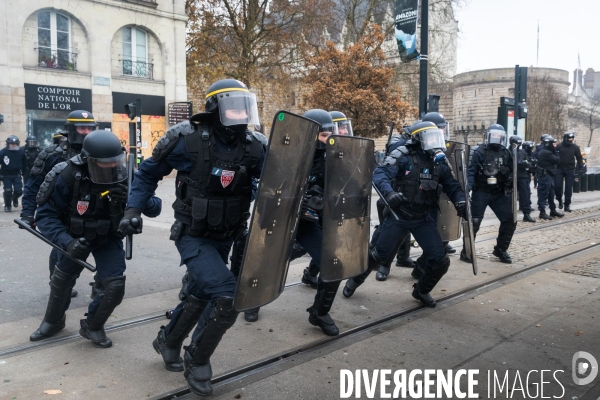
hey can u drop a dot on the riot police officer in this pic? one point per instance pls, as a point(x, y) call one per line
point(13, 163)
point(80, 205)
point(79, 124)
point(490, 179)
point(343, 124)
point(217, 159)
point(523, 178)
point(569, 153)
point(32, 151)
point(412, 185)
point(548, 159)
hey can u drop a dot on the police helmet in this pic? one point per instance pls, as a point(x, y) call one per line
point(568, 138)
point(31, 141)
point(528, 146)
point(327, 127)
point(79, 118)
point(105, 157)
point(233, 101)
point(12, 139)
point(548, 141)
point(342, 122)
point(428, 136)
point(439, 120)
point(495, 135)
point(543, 136)
point(59, 136)
point(514, 139)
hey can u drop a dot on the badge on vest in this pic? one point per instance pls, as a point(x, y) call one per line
point(425, 174)
point(6, 160)
point(82, 207)
point(226, 176)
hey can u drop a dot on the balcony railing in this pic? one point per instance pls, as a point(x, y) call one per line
point(57, 59)
point(138, 69)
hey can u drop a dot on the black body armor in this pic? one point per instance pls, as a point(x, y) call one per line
point(31, 153)
point(495, 165)
point(420, 186)
point(213, 200)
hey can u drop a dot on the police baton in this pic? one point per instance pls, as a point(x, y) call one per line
point(35, 233)
point(386, 203)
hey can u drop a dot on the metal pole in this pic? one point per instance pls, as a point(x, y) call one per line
point(517, 99)
point(424, 55)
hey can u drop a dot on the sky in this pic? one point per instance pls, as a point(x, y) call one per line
point(503, 33)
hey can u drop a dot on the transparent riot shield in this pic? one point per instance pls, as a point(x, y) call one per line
point(515, 206)
point(467, 224)
point(275, 217)
point(346, 209)
point(449, 224)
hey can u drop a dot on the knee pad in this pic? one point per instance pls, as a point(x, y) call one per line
point(114, 290)
point(18, 194)
point(476, 224)
point(297, 251)
point(374, 259)
point(440, 267)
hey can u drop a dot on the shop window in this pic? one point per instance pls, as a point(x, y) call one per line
point(54, 41)
point(135, 53)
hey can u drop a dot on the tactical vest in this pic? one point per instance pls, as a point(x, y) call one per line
point(91, 212)
point(213, 200)
point(31, 153)
point(420, 186)
point(10, 162)
point(495, 164)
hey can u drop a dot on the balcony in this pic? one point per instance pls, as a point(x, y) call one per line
point(56, 59)
point(138, 69)
point(147, 3)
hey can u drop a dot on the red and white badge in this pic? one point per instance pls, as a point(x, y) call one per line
point(227, 178)
point(82, 207)
point(85, 115)
point(6, 160)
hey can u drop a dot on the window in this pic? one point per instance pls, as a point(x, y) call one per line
point(135, 53)
point(54, 41)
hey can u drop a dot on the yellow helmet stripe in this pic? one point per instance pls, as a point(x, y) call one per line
point(226, 90)
point(81, 120)
point(423, 129)
point(340, 119)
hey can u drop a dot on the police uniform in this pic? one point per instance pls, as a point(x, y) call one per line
point(524, 165)
point(548, 159)
point(567, 169)
point(13, 163)
point(415, 181)
point(217, 159)
point(81, 215)
point(490, 178)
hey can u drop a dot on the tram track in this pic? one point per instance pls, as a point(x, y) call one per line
point(130, 323)
point(320, 347)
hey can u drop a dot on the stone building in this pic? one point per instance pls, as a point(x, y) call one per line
point(97, 55)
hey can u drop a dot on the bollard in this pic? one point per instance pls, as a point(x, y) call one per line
point(583, 183)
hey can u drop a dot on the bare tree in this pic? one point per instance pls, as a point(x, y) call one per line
point(547, 108)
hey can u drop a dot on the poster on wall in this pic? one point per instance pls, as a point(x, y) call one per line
point(405, 23)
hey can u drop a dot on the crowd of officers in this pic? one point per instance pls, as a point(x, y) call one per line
point(76, 196)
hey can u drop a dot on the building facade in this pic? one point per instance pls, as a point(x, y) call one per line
point(98, 55)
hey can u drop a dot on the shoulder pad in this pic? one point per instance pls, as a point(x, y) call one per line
point(78, 160)
point(40, 162)
point(260, 137)
point(395, 139)
point(170, 139)
point(389, 160)
point(47, 188)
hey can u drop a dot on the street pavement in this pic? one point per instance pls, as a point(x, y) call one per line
point(470, 332)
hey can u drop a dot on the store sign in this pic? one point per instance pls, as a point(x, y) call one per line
point(56, 98)
point(179, 112)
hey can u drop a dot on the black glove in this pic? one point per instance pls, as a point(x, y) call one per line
point(78, 248)
point(461, 209)
point(131, 223)
point(28, 220)
point(119, 193)
point(394, 199)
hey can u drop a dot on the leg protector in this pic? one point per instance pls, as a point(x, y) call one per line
point(237, 253)
point(505, 234)
point(185, 282)
point(7, 200)
point(93, 328)
point(476, 225)
point(433, 274)
point(319, 312)
point(169, 346)
point(61, 284)
point(15, 198)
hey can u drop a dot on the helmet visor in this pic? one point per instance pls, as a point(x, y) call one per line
point(108, 170)
point(32, 142)
point(238, 108)
point(496, 136)
point(432, 139)
point(344, 127)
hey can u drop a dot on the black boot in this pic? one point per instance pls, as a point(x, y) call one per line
point(382, 273)
point(502, 255)
point(319, 312)
point(545, 216)
point(555, 213)
point(15, 198)
point(169, 345)
point(568, 208)
point(198, 371)
point(54, 319)
point(560, 203)
point(309, 277)
point(93, 328)
point(527, 218)
point(449, 249)
point(403, 257)
point(251, 315)
point(463, 257)
point(350, 287)
point(7, 202)
point(433, 273)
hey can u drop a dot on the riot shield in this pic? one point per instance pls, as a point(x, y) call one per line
point(346, 207)
point(467, 224)
point(275, 218)
point(515, 207)
point(449, 224)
